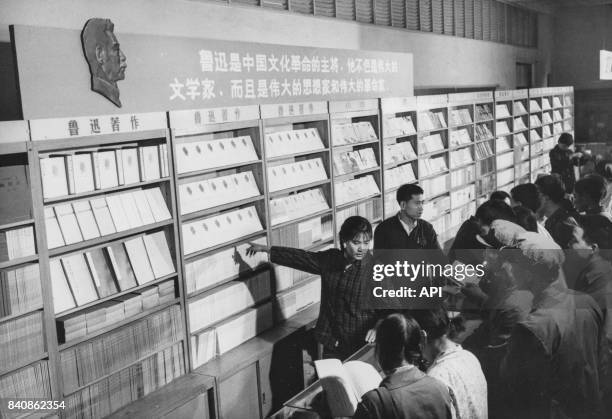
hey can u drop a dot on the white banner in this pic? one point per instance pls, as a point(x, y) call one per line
point(605, 65)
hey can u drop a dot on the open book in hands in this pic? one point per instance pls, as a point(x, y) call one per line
point(345, 384)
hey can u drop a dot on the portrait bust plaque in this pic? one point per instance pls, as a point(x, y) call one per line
point(106, 61)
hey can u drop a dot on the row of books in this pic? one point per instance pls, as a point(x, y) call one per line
point(461, 157)
point(534, 121)
point(501, 128)
point(102, 355)
point(31, 382)
point(217, 267)
point(398, 176)
point(281, 143)
point(371, 210)
point(123, 387)
point(482, 132)
point(435, 185)
point(436, 207)
point(78, 172)
point(432, 166)
point(228, 299)
point(519, 108)
point(20, 290)
point(224, 227)
point(298, 205)
point(355, 189)
point(460, 117)
point(213, 153)
point(501, 111)
point(462, 176)
point(398, 126)
point(519, 124)
point(483, 112)
point(291, 175)
point(399, 152)
point(353, 133)
point(463, 196)
point(483, 150)
point(21, 339)
point(230, 333)
point(204, 194)
point(505, 177)
point(430, 144)
point(486, 167)
point(291, 302)
point(114, 311)
point(17, 243)
point(354, 161)
point(304, 234)
point(459, 137)
point(431, 120)
point(78, 221)
point(81, 278)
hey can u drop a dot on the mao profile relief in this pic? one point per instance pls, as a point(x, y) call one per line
point(107, 63)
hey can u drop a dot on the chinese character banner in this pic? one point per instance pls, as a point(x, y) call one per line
point(171, 73)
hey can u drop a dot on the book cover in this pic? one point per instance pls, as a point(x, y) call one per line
point(67, 221)
point(54, 178)
point(101, 272)
point(79, 278)
point(62, 296)
point(108, 169)
point(82, 164)
point(102, 216)
point(139, 260)
point(159, 254)
point(121, 266)
point(86, 220)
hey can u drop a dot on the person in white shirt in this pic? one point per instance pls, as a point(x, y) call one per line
point(456, 367)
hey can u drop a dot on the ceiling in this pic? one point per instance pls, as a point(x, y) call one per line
point(550, 6)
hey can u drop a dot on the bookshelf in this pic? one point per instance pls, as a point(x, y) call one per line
point(27, 355)
point(520, 130)
point(484, 137)
point(297, 137)
point(221, 206)
point(356, 157)
point(399, 148)
point(108, 240)
point(434, 160)
point(504, 141)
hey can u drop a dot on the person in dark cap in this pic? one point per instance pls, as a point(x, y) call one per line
point(563, 160)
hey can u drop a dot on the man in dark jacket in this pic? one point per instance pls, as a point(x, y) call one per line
point(551, 205)
point(563, 160)
point(552, 365)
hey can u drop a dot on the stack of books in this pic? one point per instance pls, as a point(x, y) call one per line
point(431, 120)
point(21, 339)
point(20, 290)
point(78, 221)
point(291, 175)
point(432, 166)
point(371, 210)
point(435, 186)
point(354, 161)
point(17, 243)
point(483, 132)
point(483, 112)
point(281, 143)
point(461, 157)
point(353, 133)
point(214, 153)
point(398, 176)
point(398, 126)
point(85, 171)
point(31, 382)
point(204, 194)
point(290, 303)
point(430, 144)
point(298, 205)
point(398, 153)
point(460, 137)
point(355, 189)
point(460, 117)
point(462, 176)
point(305, 233)
point(484, 150)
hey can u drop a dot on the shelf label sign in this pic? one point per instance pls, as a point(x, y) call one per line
point(175, 73)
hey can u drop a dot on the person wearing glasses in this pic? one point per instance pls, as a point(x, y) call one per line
point(343, 325)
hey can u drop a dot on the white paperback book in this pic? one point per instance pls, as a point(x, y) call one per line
point(54, 179)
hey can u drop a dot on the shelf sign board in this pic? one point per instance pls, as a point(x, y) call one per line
point(196, 119)
point(85, 126)
point(163, 73)
point(605, 65)
point(293, 109)
point(398, 104)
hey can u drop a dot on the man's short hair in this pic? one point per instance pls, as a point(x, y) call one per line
point(493, 210)
point(526, 218)
point(527, 195)
point(407, 191)
point(94, 30)
point(597, 230)
point(499, 195)
point(566, 138)
point(552, 187)
point(592, 187)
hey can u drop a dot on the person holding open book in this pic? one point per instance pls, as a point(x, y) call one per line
point(343, 325)
point(406, 392)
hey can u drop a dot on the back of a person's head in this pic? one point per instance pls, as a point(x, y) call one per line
point(526, 218)
point(552, 187)
point(598, 230)
point(495, 210)
point(436, 323)
point(591, 187)
point(604, 168)
point(499, 196)
point(398, 338)
point(566, 138)
point(527, 195)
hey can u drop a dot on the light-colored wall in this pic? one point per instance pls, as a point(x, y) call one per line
point(579, 35)
point(439, 61)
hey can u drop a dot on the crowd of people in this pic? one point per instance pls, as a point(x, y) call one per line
point(543, 346)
